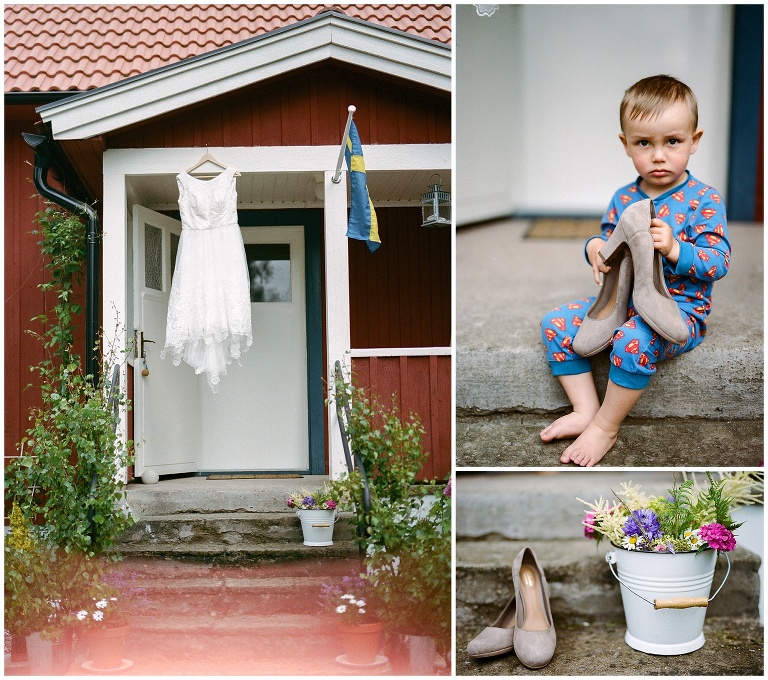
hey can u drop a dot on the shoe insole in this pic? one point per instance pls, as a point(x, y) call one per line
point(532, 595)
point(610, 303)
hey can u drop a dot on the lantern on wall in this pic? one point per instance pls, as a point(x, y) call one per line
point(436, 206)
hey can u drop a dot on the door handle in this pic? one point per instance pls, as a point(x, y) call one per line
point(143, 342)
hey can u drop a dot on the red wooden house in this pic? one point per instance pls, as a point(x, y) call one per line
point(125, 97)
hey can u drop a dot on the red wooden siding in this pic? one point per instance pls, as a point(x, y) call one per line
point(400, 296)
point(307, 109)
point(23, 273)
point(424, 388)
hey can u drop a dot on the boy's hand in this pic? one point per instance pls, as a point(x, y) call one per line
point(664, 240)
point(593, 248)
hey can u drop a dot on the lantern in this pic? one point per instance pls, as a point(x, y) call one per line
point(436, 206)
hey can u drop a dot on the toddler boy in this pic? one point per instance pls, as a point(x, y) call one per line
point(659, 131)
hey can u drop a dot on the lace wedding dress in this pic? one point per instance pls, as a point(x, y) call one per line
point(209, 310)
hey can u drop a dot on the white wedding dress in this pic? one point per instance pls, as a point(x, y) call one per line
point(209, 310)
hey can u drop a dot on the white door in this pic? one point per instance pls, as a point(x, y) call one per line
point(258, 419)
point(166, 426)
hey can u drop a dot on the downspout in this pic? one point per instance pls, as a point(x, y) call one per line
point(40, 144)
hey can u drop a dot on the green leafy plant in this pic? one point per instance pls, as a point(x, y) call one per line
point(68, 474)
point(407, 534)
point(43, 584)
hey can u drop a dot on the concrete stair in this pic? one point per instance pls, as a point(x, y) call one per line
point(499, 513)
point(504, 389)
point(232, 521)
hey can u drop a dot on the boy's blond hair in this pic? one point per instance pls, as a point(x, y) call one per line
point(649, 97)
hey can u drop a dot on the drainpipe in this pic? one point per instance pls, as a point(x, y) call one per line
point(40, 144)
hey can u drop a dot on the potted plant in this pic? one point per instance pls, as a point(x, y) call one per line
point(352, 605)
point(67, 480)
point(406, 540)
point(665, 548)
point(103, 616)
point(317, 512)
point(40, 583)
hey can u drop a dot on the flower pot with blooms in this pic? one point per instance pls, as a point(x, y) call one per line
point(666, 549)
point(104, 617)
point(352, 605)
point(317, 512)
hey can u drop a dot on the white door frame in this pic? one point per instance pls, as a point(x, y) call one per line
point(122, 163)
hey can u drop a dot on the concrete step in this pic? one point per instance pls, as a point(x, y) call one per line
point(203, 495)
point(228, 528)
point(506, 283)
point(512, 440)
point(581, 583)
point(171, 589)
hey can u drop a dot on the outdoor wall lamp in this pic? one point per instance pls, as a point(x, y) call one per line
point(436, 206)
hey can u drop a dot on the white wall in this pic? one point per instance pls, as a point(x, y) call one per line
point(538, 89)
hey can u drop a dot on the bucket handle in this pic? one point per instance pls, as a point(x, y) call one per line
point(675, 602)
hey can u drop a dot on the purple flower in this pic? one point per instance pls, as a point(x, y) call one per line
point(308, 502)
point(718, 537)
point(448, 489)
point(643, 523)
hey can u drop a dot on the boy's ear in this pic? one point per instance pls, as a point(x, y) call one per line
point(623, 139)
point(695, 140)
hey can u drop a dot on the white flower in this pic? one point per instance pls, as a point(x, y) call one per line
point(341, 609)
point(98, 616)
point(347, 597)
point(693, 538)
point(82, 615)
point(630, 542)
point(361, 603)
point(101, 604)
point(361, 611)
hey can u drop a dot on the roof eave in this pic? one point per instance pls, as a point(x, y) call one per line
point(330, 35)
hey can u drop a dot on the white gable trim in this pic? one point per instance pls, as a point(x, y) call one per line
point(328, 36)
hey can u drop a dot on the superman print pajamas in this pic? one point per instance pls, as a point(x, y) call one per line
point(696, 214)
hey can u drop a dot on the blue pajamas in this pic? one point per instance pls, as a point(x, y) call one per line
point(636, 347)
point(696, 214)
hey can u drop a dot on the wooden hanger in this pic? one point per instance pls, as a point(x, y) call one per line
point(207, 158)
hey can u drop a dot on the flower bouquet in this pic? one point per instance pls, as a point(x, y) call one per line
point(687, 519)
point(317, 512)
point(324, 498)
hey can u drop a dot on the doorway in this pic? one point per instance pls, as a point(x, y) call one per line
point(267, 414)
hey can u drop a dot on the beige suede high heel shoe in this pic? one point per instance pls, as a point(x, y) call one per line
point(535, 637)
point(498, 638)
point(650, 296)
point(609, 310)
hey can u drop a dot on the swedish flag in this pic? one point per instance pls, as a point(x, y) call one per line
point(362, 223)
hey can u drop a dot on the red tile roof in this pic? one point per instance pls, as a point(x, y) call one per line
point(80, 47)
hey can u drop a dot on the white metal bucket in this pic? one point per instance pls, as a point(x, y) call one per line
point(665, 598)
point(317, 526)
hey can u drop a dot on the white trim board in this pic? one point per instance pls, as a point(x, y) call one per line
point(193, 80)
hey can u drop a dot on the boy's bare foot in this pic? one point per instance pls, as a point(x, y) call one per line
point(591, 446)
point(567, 426)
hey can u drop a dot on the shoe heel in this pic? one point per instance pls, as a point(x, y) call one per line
point(617, 239)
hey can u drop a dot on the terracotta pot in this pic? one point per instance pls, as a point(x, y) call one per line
point(107, 647)
point(361, 641)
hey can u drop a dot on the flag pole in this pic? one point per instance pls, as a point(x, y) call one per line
point(337, 177)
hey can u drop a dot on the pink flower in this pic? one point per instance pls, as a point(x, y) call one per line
point(589, 525)
point(331, 504)
point(718, 537)
point(661, 548)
